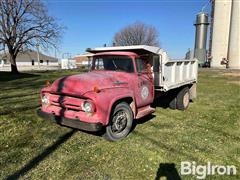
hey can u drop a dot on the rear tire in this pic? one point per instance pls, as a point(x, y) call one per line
point(173, 103)
point(172, 96)
point(183, 99)
point(120, 122)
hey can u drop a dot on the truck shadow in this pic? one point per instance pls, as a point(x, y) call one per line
point(36, 160)
point(168, 171)
point(144, 119)
point(164, 100)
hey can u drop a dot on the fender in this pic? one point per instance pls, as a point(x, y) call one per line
point(122, 97)
point(105, 100)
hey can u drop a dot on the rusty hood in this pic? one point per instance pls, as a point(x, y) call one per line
point(81, 83)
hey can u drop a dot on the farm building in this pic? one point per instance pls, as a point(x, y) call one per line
point(29, 58)
point(83, 59)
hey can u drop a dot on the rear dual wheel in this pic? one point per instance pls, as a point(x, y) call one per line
point(181, 100)
point(120, 123)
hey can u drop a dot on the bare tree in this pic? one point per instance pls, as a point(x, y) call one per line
point(137, 34)
point(26, 24)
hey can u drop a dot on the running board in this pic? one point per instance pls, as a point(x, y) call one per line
point(145, 111)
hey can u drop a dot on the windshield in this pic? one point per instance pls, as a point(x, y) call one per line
point(113, 63)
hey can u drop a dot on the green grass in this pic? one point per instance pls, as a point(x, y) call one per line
point(38, 149)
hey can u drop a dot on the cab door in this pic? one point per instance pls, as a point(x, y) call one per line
point(144, 85)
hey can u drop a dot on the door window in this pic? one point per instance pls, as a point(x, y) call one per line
point(141, 65)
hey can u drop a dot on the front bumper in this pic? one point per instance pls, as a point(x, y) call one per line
point(73, 123)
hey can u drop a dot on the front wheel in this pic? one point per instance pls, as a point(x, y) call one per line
point(120, 123)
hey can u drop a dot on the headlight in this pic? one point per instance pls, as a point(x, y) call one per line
point(88, 107)
point(45, 100)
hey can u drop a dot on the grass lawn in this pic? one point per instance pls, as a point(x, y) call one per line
point(32, 148)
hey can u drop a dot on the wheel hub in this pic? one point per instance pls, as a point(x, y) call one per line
point(119, 121)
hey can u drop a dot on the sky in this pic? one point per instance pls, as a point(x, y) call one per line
point(93, 23)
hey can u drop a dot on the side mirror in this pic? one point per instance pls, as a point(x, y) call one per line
point(149, 70)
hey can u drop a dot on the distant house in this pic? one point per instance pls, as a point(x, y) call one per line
point(30, 58)
point(83, 59)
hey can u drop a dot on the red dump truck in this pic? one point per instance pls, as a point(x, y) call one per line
point(120, 87)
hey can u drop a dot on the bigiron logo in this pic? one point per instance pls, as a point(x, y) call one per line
point(201, 171)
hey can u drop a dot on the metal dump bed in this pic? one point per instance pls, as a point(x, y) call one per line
point(176, 73)
point(168, 73)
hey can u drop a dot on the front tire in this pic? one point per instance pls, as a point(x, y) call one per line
point(120, 123)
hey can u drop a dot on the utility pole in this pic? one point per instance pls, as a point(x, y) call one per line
point(38, 56)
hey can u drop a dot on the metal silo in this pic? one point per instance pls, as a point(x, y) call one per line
point(220, 32)
point(201, 37)
point(234, 37)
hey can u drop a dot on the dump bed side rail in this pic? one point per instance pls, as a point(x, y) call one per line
point(176, 73)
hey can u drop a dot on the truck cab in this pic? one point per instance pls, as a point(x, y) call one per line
point(119, 88)
point(129, 71)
